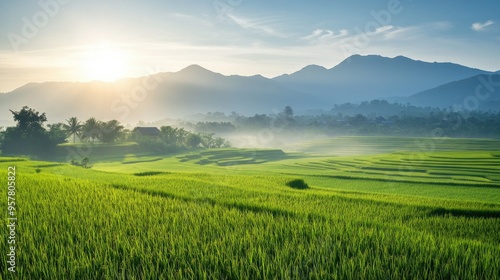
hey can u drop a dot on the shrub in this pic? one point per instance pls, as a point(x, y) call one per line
point(84, 163)
point(298, 184)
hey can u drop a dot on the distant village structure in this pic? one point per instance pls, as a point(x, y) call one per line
point(146, 132)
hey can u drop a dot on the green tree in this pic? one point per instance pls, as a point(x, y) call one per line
point(29, 136)
point(169, 135)
point(111, 131)
point(57, 133)
point(182, 136)
point(91, 130)
point(2, 133)
point(207, 140)
point(220, 142)
point(194, 140)
point(288, 113)
point(74, 127)
point(29, 120)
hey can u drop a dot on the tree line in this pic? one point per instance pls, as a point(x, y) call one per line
point(377, 117)
point(171, 139)
point(31, 136)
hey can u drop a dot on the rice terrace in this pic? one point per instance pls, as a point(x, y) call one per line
point(238, 213)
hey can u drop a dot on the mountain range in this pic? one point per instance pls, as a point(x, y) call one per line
point(360, 78)
point(197, 90)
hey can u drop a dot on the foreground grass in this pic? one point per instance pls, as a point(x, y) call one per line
point(87, 224)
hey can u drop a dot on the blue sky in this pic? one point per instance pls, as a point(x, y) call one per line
point(70, 40)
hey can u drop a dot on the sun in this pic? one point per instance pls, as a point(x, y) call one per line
point(105, 63)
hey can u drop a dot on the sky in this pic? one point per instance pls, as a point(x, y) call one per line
point(71, 40)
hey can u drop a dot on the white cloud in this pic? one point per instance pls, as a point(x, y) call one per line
point(325, 34)
point(375, 35)
point(477, 26)
point(383, 29)
point(315, 34)
point(409, 32)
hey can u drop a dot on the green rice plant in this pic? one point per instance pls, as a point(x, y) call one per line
point(87, 224)
point(400, 215)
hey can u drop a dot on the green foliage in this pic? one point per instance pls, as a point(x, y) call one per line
point(91, 130)
point(217, 127)
point(177, 139)
point(105, 132)
point(85, 163)
point(2, 136)
point(28, 119)
point(73, 127)
point(288, 112)
point(111, 131)
point(193, 140)
point(171, 135)
point(57, 133)
point(375, 118)
point(255, 122)
point(154, 145)
point(298, 184)
point(29, 137)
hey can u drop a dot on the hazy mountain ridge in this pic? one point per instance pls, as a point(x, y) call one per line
point(478, 92)
point(195, 89)
point(360, 78)
point(191, 90)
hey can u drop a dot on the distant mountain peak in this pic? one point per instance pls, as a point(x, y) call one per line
point(358, 56)
point(313, 67)
point(376, 57)
point(310, 72)
point(357, 59)
point(402, 57)
point(195, 68)
point(366, 77)
point(258, 76)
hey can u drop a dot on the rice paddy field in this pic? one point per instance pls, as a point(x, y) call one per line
point(384, 209)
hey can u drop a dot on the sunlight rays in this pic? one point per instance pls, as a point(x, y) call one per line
point(104, 63)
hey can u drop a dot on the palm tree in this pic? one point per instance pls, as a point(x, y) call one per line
point(73, 127)
point(91, 130)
